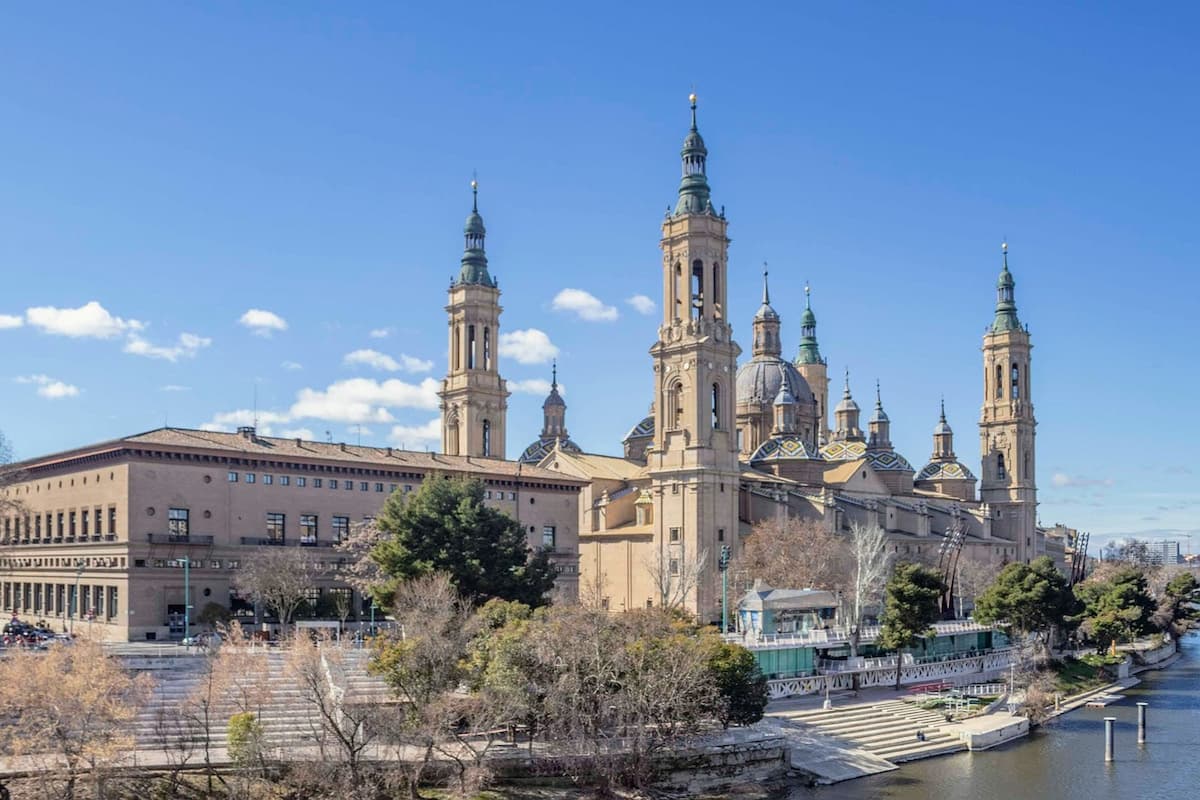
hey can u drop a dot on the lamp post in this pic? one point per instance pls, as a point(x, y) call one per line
point(723, 564)
point(75, 599)
point(372, 616)
point(187, 596)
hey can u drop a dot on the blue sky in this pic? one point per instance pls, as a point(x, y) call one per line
point(180, 166)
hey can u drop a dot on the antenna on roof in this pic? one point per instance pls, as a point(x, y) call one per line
point(359, 426)
point(255, 422)
point(328, 437)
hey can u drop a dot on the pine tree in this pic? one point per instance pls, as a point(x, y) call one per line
point(909, 610)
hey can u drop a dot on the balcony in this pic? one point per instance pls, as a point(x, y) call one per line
point(315, 543)
point(175, 538)
point(255, 540)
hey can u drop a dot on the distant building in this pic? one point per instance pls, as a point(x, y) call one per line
point(1163, 552)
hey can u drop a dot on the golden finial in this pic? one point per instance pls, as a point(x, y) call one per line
point(692, 98)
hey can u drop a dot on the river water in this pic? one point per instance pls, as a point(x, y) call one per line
point(1066, 758)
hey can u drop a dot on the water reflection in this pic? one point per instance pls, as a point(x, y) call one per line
point(1067, 759)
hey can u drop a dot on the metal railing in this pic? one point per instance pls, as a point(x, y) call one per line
point(179, 538)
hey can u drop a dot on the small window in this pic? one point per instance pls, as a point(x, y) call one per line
point(249, 477)
point(487, 494)
point(308, 529)
point(178, 523)
point(276, 527)
point(674, 534)
point(548, 536)
point(720, 534)
point(349, 485)
point(333, 483)
point(407, 488)
point(268, 479)
point(301, 482)
point(284, 480)
point(363, 486)
point(379, 487)
point(316, 483)
point(604, 603)
point(340, 527)
point(674, 566)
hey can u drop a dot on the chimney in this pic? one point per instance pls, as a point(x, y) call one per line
point(297, 441)
point(389, 452)
point(342, 446)
point(246, 432)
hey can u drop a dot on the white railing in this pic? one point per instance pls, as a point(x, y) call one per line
point(833, 637)
point(909, 674)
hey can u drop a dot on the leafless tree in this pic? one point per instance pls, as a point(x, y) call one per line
point(69, 711)
point(277, 577)
point(791, 553)
point(593, 589)
point(675, 577)
point(870, 563)
point(355, 565)
point(974, 576)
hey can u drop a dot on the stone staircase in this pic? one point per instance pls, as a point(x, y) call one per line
point(287, 717)
point(887, 730)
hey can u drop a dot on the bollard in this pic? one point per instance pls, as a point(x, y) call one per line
point(1142, 722)
point(1108, 738)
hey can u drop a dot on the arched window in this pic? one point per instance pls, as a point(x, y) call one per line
point(1025, 469)
point(999, 381)
point(487, 348)
point(697, 288)
point(452, 438)
point(1016, 382)
point(457, 349)
point(487, 437)
point(470, 347)
point(675, 407)
point(716, 407)
point(716, 289)
point(1000, 466)
point(678, 291)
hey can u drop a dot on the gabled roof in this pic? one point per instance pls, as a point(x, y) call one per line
point(593, 465)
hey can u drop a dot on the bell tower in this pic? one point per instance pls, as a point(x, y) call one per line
point(813, 367)
point(474, 397)
point(1007, 425)
point(693, 461)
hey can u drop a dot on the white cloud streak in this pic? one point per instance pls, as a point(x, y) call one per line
point(584, 305)
point(50, 388)
point(641, 304)
point(89, 321)
point(262, 322)
point(385, 363)
point(529, 346)
point(415, 437)
point(8, 321)
point(186, 346)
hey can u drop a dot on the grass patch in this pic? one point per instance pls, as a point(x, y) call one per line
point(1072, 676)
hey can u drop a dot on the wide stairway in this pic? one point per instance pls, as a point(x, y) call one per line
point(171, 720)
point(887, 730)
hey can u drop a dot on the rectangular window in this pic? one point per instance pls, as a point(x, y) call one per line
point(316, 483)
point(333, 483)
point(512, 495)
point(340, 527)
point(178, 523)
point(111, 607)
point(379, 487)
point(301, 482)
point(112, 521)
point(249, 477)
point(84, 520)
point(284, 480)
point(487, 494)
point(407, 488)
point(308, 529)
point(548, 535)
point(394, 487)
point(232, 477)
point(71, 526)
point(720, 534)
point(96, 520)
point(674, 534)
point(275, 527)
point(268, 479)
point(674, 566)
point(363, 486)
point(349, 485)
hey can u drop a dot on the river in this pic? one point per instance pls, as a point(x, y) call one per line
point(1066, 758)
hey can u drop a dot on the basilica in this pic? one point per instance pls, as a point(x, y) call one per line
point(726, 444)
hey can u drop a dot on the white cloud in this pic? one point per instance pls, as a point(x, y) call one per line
point(1063, 481)
point(384, 362)
point(536, 386)
point(90, 321)
point(292, 365)
point(641, 304)
point(50, 388)
point(364, 400)
point(529, 346)
point(9, 321)
point(298, 433)
point(247, 416)
point(586, 306)
point(174, 387)
point(263, 323)
point(413, 437)
point(380, 333)
point(186, 347)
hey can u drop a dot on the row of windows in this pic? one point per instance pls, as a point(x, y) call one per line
point(59, 600)
point(90, 562)
point(58, 526)
point(179, 526)
point(37, 487)
point(317, 483)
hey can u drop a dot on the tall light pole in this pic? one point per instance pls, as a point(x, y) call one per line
point(75, 599)
point(372, 616)
point(187, 596)
point(723, 564)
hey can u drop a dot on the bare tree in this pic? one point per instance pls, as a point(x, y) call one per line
point(675, 577)
point(791, 553)
point(277, 577)
point(592, 589)
point(973, 577)
point(869, 566)
point(355, 565)
point(69, 711)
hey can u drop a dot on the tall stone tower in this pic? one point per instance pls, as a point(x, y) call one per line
point(693, 461)
point(1006, 425)
point(813, 367)
point(474, 397)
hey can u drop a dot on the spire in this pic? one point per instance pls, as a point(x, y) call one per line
point(1006, 307)
point(880, 415)
point(846, 415)
point(474, 260)
point(693, 188)
point(766, 325)
point(554, 375)
point(879, 425)
point(554, 410)
point(943, 437)
point(766, 290)
point(810, 352)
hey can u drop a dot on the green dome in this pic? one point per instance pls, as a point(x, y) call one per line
point(1006, 306)
point(474, 225)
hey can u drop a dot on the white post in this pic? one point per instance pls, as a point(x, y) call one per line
point(1108, 738)
point(1142, 722)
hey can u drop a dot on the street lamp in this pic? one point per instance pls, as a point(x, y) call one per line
point(723, 564)
point(187, 596)
point(75, 599)
point(373, 606)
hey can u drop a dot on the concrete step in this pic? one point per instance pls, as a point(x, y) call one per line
point(925, 750)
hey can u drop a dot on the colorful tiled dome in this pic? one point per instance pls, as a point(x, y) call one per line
point(844, 451)
point(784, 448)
point(945, 470)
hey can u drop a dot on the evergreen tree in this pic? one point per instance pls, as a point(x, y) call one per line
point(741, 687)
point(910, 608)
point(1030, 599)
point(1117, 608)
point(447, 527)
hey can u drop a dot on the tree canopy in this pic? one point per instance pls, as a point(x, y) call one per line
point(1117, 607)
point(910, 607)
point(1029, 598)
point(445, 527)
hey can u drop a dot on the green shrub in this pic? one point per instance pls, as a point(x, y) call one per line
point(245, 737)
